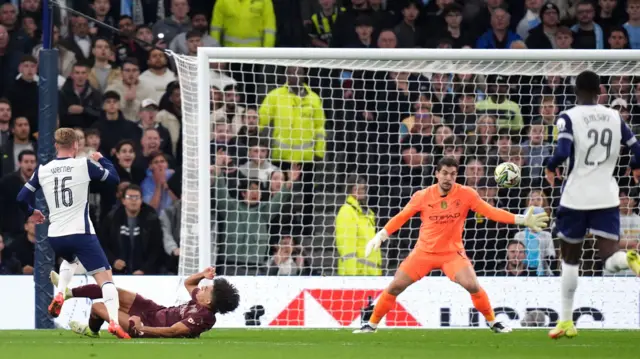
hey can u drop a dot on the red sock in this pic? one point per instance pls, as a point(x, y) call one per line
point(481, 303)
point(385, 303)
point(91, 291)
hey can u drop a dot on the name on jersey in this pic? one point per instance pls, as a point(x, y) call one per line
point(61, 169)
point(444, 218)
point(596, 118)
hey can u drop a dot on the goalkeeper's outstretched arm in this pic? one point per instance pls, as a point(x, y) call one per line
point(534, 221)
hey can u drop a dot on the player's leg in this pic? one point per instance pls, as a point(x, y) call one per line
point(571, 228)
point(412, 269)
point(61, 246)
point(460, 270)
point(605, 225)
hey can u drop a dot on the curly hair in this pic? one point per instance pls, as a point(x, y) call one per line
point(225, 296)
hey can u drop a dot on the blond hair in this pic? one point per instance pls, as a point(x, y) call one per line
point(66, 137)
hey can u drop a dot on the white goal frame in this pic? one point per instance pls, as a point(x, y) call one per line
point(342, 58)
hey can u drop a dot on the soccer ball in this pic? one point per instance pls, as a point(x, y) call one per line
point(507, 175)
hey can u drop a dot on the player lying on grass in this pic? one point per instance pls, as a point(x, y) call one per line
point(443, 209)
point(143, 318)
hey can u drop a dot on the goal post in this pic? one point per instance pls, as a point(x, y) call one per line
point(378, 135)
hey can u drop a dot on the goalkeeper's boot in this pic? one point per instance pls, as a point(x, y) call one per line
point(366, 328)
point(115, 329)
point(563, 329)
point(83, 330)
point(55, 278)
point(56, 305)
point(633, 259)
point(499, 327)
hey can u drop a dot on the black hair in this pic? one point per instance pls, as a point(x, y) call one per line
point(28, 58)
point(193, 33)
point(26, 153)
point(224, 297)
point(131, 61)
point(111, 95)
point(122, 17)
point(447, 162)
point(91, 132)
point(122, 143)
point(355, 180)
point(132, 187)
point(587, 86)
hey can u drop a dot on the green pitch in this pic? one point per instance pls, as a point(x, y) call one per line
point(324, 344)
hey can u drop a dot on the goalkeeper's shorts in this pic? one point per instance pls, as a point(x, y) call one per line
point(419, 264)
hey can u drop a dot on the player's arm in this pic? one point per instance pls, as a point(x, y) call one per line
point(395, 223)
point(107, 173)
point(534, 221)
point(565, 143)
point(178, 330)
point(27, 195)
point(191, 283)
point(630, 140)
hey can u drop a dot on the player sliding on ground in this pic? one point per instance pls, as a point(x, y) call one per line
point(590, 135)
point(443, 209)
point(143, 318)
point(65, 185)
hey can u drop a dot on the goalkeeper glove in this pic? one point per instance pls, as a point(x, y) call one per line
point(535, 222)
point(375, 243)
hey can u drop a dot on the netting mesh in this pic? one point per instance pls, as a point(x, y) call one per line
point(311, 157)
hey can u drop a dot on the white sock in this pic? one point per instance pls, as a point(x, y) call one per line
point(617, 262)
point(111, 300)
point(373, 325)
point(67, 270)
point(569, 283)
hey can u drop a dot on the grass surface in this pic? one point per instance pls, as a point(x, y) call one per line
point(324, 344)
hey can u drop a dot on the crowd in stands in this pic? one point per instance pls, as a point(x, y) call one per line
point(283, 140)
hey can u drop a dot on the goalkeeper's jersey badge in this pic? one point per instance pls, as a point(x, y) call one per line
point(443, 205)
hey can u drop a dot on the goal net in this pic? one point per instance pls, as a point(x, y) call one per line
point(295, 158)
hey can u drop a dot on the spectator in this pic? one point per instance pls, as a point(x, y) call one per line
point(355, 224)
point(147, 119)
point(460, 38)
point(144, 13)
point(102, 75)
point(344, 29)
point(19, 141)
point(543, 36)
point(238, 146)
point(30, 28)
point(482, 140)
point(127, 47)
point(539, 250)
point(101, 10)
point(66, 58)
point(564, 38)
point(131, 89)
point(18, 38)
point(246, 219)
point(586, 33)
point(80, 40)
point(633, 25)
point(132, 236)
point(83, 150)
point(629, 219)
point(231, 110)
point(387, 40)
point(499, 36)
point(92, 139)
point(158, 76)
point(463, 119)
point(278, 112)
point(618, 38)
point(243, 24)
point(23, 248)
point(170, 221)
point(287, 260)
point(498, 104)
point(482, 20)
point(609, 15)
point(24, 93)
point(536, 149)
point(258, 167)
point(12, 217)
point(364, 33)
point(167, 29)
point(200, 26)
point(149, 144)
point(474, 172)
point(531, 18)
point(112, 125)
point(407, 32)
point(170, 115)
point(320, 27)
point(5, 118)
point(79, 102)
point(9, 61)
point(515, 265)
point(155, 191)
point(8, 264)
point(125, 155)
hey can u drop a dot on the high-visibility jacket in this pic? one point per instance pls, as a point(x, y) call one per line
point(296, 123)
point(322, 26)
point(244, 23)
point(354, 229)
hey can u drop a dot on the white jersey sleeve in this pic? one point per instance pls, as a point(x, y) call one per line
point(597, 133)
point(65, 185)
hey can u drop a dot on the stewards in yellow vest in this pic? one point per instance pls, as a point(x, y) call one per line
point(295, 116)
point(244, 23)
point(354, 228)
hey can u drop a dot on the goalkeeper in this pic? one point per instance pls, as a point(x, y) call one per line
point(443, 209)
point(143, 318)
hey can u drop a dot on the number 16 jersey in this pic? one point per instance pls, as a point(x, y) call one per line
point(65, 185)
point(597, 133)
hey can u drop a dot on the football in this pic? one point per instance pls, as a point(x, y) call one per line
point(507, 175)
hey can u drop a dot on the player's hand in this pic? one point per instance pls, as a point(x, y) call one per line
point(135, 320)
point(551, 176)
point(535, 222)
point(209, 273)
point(37, 217)
point(96, 156)
point(375, 243)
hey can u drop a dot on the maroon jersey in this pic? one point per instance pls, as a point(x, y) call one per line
point(197, 318)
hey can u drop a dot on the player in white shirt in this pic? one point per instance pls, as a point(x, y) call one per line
point(590, 137)
point(65, 185)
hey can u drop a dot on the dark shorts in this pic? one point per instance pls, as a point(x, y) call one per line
point(83, 247)
point(572, 225)
point(147, 310)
